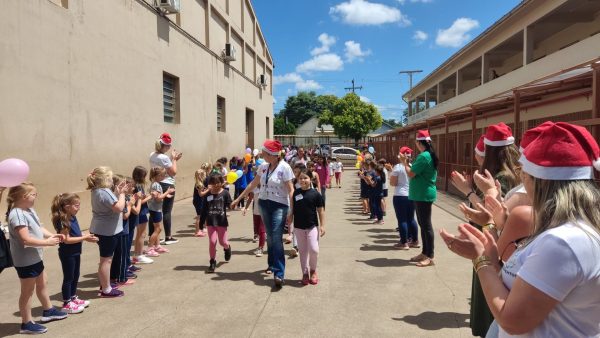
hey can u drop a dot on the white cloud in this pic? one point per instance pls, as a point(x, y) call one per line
point(457, 35)
point(420, 36)
point(364, 13)
point(308, 85)
point(322, 63)
point(287, 78)
point(353, 51)
point(365, 99)
point(326, 42)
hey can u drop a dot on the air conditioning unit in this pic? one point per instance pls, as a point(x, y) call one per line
point(168, 6)
point(229, 53)
point(262, 80)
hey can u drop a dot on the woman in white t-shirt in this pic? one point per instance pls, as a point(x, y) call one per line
point(404, 208)
point(276, 190)
point(550, 286)
point(158, 158)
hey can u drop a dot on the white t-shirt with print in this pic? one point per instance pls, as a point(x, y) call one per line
point(401, 188)
point(562, 263)
point(255, 208)
point(272, 183)
point(331, 168)
point(387, 179)
point(338, 167)
point(163, 161)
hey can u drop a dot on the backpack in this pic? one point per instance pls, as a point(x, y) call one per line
point(5, 257)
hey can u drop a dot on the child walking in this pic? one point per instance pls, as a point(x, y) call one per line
point(259, 226)
point(200, 189)
point(139, 177)
point(107, 222)
point(338, 169)
point(27, 238)
point(215, 203)
point(307, 205)
point(157, 174)
point(64, 210)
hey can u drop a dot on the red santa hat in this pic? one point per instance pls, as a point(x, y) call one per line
point(272, 147)
point(423, 135)
point(562, 151)
point(480, 147)
point(405, 151)
point(165, 139)
point(532, 134)
point(498, 135)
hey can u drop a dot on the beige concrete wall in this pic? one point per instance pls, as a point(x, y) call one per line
point(82, 87)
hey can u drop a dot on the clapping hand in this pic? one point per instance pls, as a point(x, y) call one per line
point(462, 182)
point(497, 209)
point(471, 243)
point(480, 215)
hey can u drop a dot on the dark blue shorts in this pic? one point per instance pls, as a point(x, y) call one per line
point(385, 193)
point(142, 218)
point(30, 271)
point(107, 245)
point(156, 216)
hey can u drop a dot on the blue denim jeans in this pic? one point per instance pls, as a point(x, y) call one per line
point(405, 213)
point(274, 215)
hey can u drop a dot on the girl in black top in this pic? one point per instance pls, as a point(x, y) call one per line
point(307, 204)
point(213, 212)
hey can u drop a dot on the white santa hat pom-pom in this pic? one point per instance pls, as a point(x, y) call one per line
point(597, 164)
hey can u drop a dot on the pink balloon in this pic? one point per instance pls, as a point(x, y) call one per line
point(13, 172)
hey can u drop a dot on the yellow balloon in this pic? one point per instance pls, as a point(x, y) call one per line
point(357, 165)
point(358, 152)
point(231, 177)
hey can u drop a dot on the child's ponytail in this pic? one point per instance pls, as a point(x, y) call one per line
point(15, 193)
point(60, 218)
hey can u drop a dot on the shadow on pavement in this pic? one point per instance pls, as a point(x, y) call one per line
point(386, 262)
point(240, 239)
point(437, 320)
point(9, 328)
point(378, 231)
point(386, 236)
point(258, 277)
point(369, 247)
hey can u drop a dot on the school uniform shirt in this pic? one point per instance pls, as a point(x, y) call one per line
point(338, 167)
point(154, 204)
point(163, 161)
point(272, 183)
point(105, 221)
point(422, 186)
point(332, 166)
point(401, 188)
point(125, 221)
point(255, 208)
point(562, 263)
point(215, 206)
point(385, 181)
point(24, 256)
point(144, 206)
point(377, 190)
point(75, 248)
point(306, 203)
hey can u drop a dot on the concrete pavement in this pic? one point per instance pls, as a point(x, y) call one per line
point(367, 288)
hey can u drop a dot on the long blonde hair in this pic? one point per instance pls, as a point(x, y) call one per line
point(558, 202)
point(100, 177)
point(16, 193)
point(60, 219)
point(202, 174)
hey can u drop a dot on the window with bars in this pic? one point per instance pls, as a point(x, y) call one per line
point(220, 114)
point(170, 98)
point(268, 127)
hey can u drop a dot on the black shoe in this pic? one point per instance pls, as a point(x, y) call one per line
point(279, 282)
point(228, 253)
point(212, 266)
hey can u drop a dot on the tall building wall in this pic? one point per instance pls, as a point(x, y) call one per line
point(81, 83)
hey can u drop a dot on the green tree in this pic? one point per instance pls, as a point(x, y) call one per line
point(300, 108)
point(352, 117)
point(393, 123)
point(281, 127)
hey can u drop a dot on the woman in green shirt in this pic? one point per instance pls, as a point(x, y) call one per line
point(422, 191)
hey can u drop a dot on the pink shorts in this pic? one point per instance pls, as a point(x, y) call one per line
point(337, 175)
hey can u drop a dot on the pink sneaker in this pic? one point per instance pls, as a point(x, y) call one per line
point(80, 302)
point(160, 249)
point(72, 308)
point(203, 233)
point(198, 233)
point(152, 253)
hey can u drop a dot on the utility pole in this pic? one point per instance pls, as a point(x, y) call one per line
point(353, 88)
point(410, 75)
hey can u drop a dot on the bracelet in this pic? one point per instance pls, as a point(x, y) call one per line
point(481, 259)
point(489, 227)
point(482, 265)
point(469, 194)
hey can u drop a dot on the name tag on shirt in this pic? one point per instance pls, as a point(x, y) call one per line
point(210, 198)
point(299, 197)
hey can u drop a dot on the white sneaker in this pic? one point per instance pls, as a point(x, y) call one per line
point(258, 252)
point(141, 259)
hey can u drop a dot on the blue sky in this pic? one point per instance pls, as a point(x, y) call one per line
point(322, 45)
